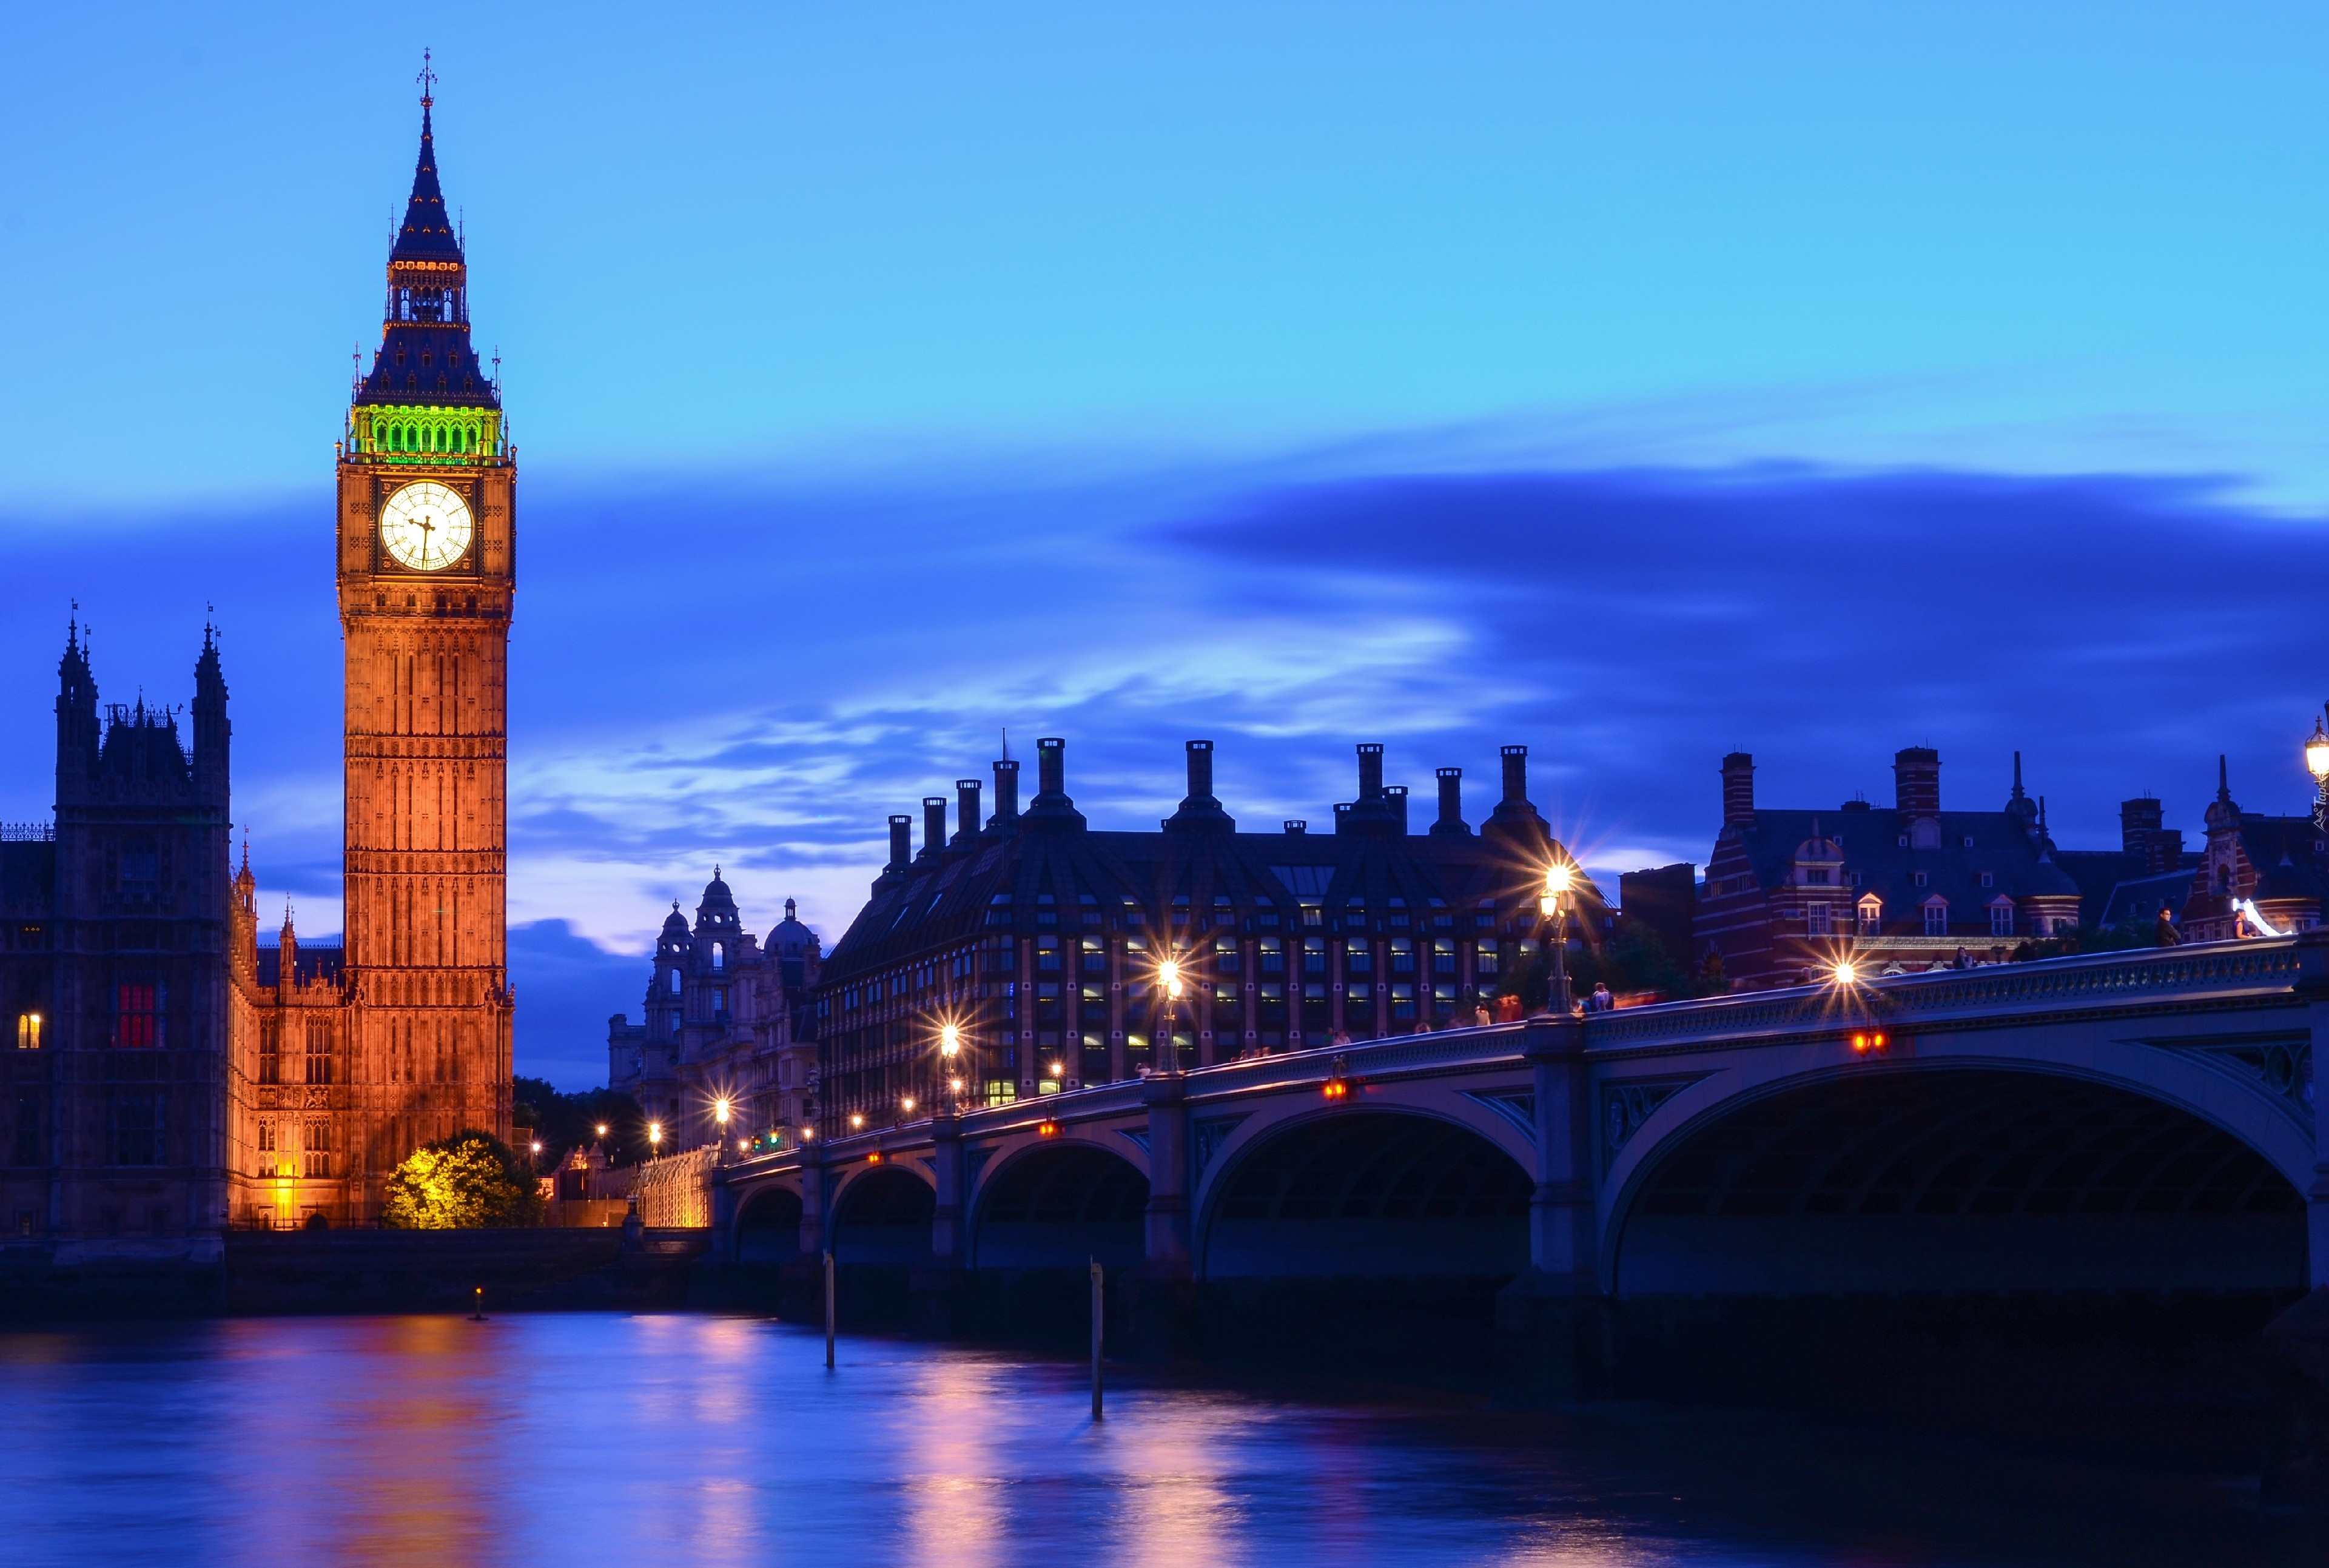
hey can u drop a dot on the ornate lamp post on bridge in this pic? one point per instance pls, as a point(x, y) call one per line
point(1168, 975)
point(2316, 763)
point(1556, 879)
point(950, 1061)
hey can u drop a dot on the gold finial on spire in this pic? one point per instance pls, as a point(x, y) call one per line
point(428, 80)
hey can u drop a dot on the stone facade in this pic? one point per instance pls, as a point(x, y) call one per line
point(114, 978)
point(1040, 937)
point(1790, 893)
point(415, 1045)
point(725, 1018)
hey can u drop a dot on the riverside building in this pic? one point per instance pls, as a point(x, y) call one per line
point(1039, 937)
point(727, 1018)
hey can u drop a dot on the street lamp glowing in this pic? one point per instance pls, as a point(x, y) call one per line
point(955, 1085)
point(602, 1129)
point(655, 1134)
point(719, 1110)
point(1168, 975)
point(950, 1041)
point(907, 1104)
point(2316, 753)
point(537, 1146)
point(1557, 878)
point(856, 1120)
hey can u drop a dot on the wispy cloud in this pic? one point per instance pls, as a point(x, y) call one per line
point(755, 669)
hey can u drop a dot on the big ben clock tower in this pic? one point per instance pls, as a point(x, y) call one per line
point(427, 570)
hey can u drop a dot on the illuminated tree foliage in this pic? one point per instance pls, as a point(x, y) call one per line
point(467, 1181)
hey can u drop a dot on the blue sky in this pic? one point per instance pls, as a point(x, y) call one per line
point(1633, 382)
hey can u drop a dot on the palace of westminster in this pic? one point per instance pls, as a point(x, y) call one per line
point(172, 1075)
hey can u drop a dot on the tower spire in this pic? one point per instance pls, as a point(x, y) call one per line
point(427, 234)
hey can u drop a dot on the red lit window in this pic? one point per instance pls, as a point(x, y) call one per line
point(137, 1015)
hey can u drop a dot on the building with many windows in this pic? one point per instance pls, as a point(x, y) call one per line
point(1040, 937)
point(113, 975)
point(1788, 893)
point(726, 1018)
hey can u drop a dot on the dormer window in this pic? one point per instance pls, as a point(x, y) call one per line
point(1871, 915)
point(2000, 917)
point(1936, 916)
point(1904, 840)
point(1816, 876)
point(1988, 879)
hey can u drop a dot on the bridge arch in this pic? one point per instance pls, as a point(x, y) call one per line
point(1059, 1205)
point(1959, 1174)
point(1371, 1191)
point(768, 1226)
point(881, 1215)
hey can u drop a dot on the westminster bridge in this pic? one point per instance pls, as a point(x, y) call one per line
point(2139, 1123)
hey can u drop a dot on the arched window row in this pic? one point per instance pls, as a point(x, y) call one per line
point(458, 439)
point(431, 304)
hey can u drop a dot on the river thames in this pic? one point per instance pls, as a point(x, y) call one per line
point(681, 1438)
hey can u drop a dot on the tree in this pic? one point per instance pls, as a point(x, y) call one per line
point(1635, 960)
point(468, 1180)
point(564, 1121)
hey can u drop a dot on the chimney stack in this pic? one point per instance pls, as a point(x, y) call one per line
point(1738, 789)
point(1917, 781)
point(2137, 821)
point(1397, 795)
point(933, 823)
point(1007, 794)
point(966, 807)
point(1515, 775)
point(1052, 808)
point(1371, 772)
point(901, 843)
point(1451, 802)
point(1201, 769)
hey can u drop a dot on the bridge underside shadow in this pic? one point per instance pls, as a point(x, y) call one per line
point(1063, 1207)
point(768, 1228)
point(2006, 1250)
point(1961, 1179)
point(1367, 1240)
point(1041, 1221)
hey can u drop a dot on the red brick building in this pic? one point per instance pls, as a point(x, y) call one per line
point(1789, 893)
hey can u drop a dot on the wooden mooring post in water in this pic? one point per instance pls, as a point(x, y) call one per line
point(828, 1310)
point(1099, 1317)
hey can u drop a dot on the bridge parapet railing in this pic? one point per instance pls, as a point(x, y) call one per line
point(2212, 971)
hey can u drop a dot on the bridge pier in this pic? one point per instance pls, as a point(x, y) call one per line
point(812, 1217)
point(1163, 1300)
point(1552, 1326)
point(935, 1287)
point(2313, 967)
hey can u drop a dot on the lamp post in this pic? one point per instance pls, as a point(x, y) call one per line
point(720, 1114)
point(949, 1057)
point(655, 1139)
point(1557, 878)
point(1168, 975)
point(2316, 763)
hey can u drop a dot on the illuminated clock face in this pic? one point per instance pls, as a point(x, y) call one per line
point(425, 527)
